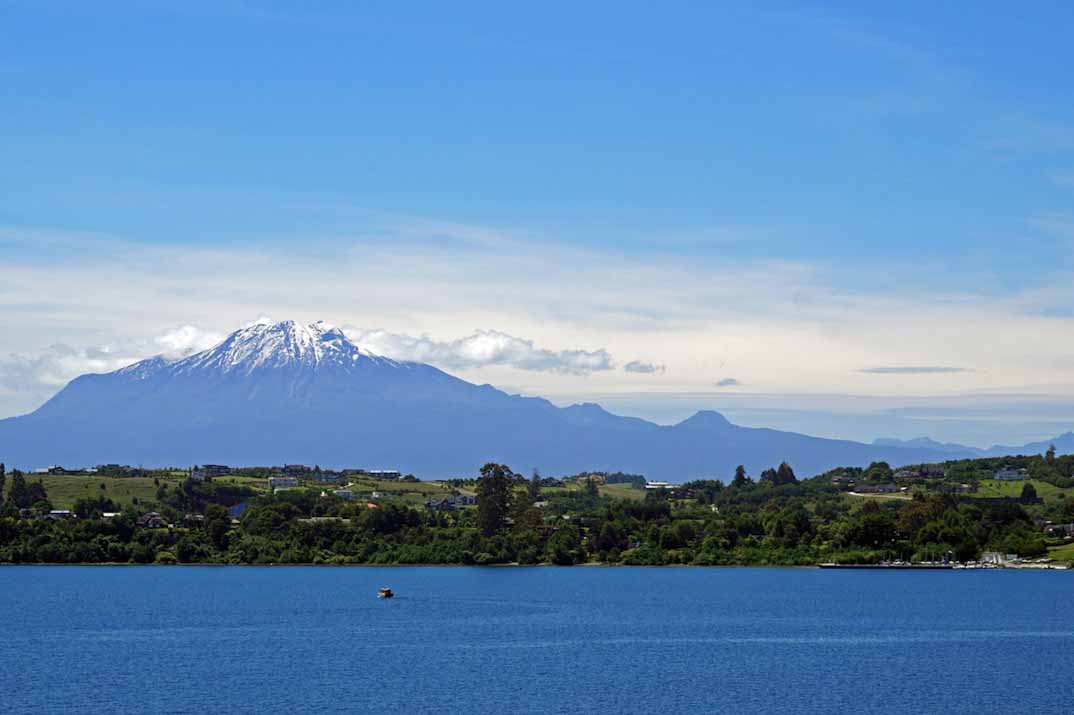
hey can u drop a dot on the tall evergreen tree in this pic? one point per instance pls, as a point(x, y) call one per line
point(740, 479)
point(493, 498)
point(18, 493)
point(534, 487)
point(785, 475)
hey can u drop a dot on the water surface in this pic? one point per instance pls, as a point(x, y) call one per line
point(561, 640)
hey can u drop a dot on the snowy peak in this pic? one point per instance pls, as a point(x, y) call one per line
point(287, 344)
point(145, 369)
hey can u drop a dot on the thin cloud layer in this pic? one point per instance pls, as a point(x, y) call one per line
point(912, 370)
point(482, 348)
point(645, 368)
point(728, 382)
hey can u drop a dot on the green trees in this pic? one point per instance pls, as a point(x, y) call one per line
point(878, 472)
point(560, 549)
point(494, 498)
point(93, 507)
point(785, 475)
point(217, 525)
point(533, 488)
point(780, 520)
point(24, 495)
point(778, 477)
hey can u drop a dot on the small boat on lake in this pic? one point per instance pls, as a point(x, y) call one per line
point(385, 593)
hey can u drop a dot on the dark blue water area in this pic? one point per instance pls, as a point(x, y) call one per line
point(559, 640)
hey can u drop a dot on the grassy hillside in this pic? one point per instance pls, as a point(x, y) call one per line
point(1062, 553)
point(64, 490)
point(1047, 492)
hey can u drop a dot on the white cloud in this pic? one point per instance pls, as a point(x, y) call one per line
point(482, 348)
point(59, 363)
point(645, 368)
point(186, 340)
point(35, 377)
point(260, 320)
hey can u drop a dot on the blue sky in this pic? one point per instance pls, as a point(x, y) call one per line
point(700, 186)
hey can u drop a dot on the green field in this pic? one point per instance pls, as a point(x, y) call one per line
point(992, 488)
point(240, 481)
point(1062, 553)
point(64, 490)
point(621, 491)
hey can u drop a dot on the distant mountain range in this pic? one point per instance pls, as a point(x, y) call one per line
point(290, 393)
point(1064, 444)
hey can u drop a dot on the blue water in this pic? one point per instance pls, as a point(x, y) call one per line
point(562, 640)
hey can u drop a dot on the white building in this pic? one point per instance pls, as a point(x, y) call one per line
point(1007, 474)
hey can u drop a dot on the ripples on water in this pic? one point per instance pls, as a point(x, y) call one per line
point(616, 640)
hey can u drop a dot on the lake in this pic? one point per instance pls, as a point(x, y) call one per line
point(561, 640)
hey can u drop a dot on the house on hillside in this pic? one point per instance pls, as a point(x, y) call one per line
point(882, 488)
point(1006, 474)
point(208, 471)
point(152, 520)
point(659, 485)
point(460, 500)
point(344, 494)
point(284, 482)
point(296, 470)
point(1066, 530)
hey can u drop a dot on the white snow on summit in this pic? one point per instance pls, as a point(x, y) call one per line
point(286, 344)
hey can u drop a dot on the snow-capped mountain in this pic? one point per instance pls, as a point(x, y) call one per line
point(270, 394)
point(318, 346)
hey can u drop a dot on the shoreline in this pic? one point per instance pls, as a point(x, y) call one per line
point(819, 567)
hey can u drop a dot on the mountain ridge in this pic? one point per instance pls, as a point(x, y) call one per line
point(285, 392)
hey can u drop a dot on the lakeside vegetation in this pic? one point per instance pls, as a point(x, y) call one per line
point(851, 515)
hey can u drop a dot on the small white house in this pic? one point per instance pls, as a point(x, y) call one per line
point(1007, 474)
